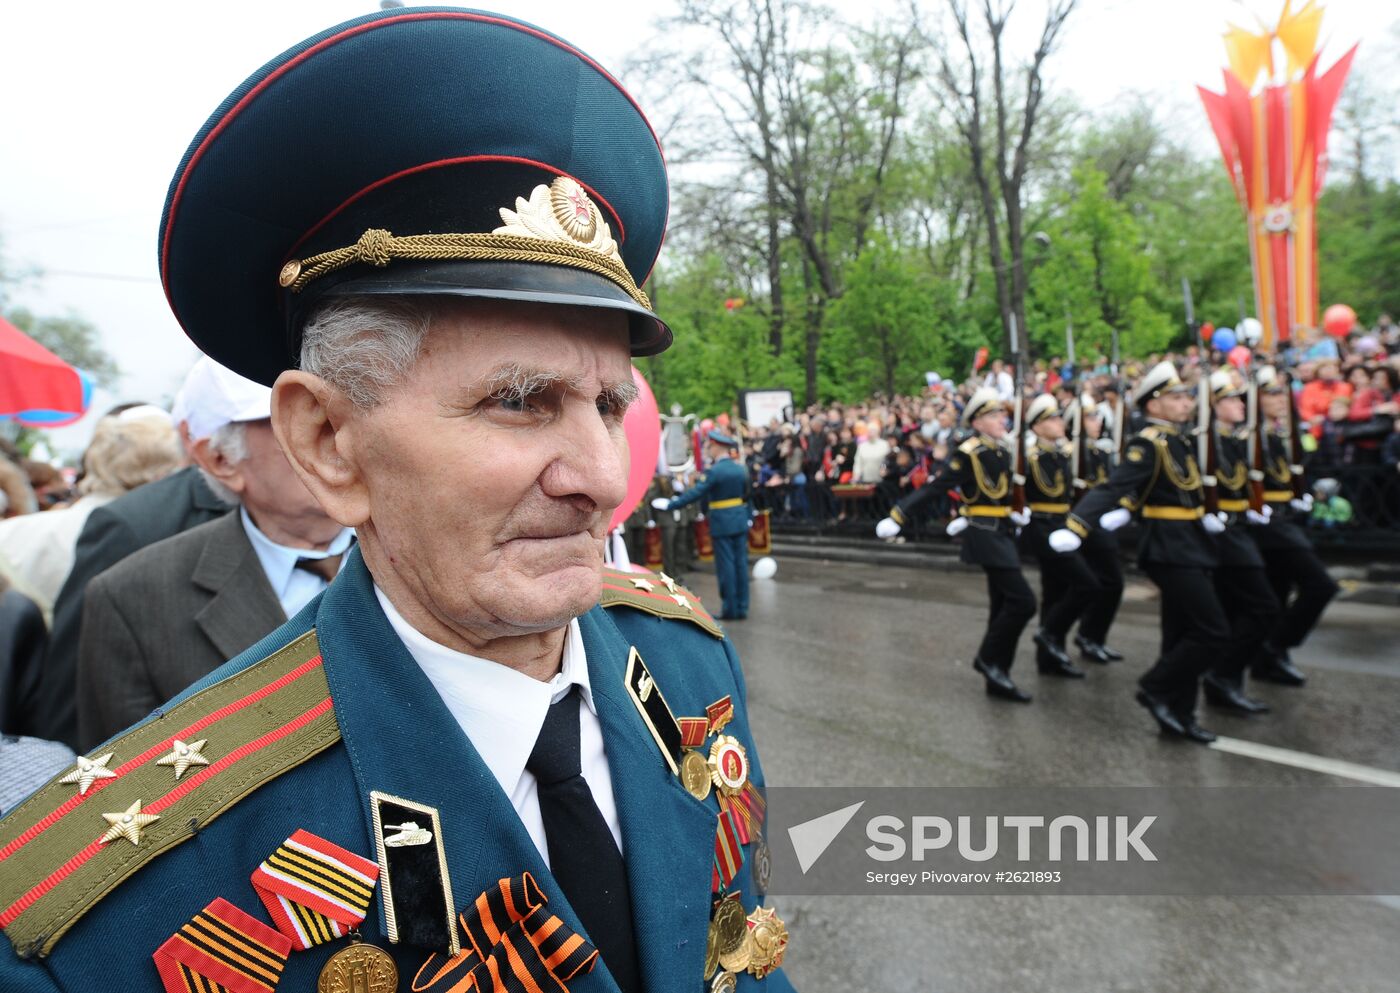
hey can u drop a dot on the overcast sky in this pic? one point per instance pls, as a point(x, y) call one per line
point(101, 99)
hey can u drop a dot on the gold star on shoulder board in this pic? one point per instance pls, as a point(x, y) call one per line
point(669, 583)
point(127, 824)
point(88, 770)
point(643, 584)
point(681, 601)
point(183, 755)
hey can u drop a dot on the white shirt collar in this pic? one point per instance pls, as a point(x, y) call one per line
point(500, 709)
point(279, 561)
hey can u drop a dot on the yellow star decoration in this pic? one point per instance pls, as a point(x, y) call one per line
point(183, 755)
point(644, 584)
point(669, 583)
point(88, 770)
point(127, 824)
point(681, 601)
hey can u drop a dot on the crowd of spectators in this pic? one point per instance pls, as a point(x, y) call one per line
point(828, 463)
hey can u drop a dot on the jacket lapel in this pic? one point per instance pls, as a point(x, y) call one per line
point(402, 740)
point(668, 836)
point(244, 605)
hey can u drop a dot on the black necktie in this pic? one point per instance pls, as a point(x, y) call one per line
point(583, 856)
point(326, 567)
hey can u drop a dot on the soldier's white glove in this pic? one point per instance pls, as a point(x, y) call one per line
point(1214, 523)
point(956, 527)
point(1303, 504)
point(661, 503)
point(1259, 516)
point(887, 528)
point(1020, 518)
point(1064, 540)
point(1115, 519)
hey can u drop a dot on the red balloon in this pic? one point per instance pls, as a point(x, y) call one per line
point(1207, 329)
point(1338, 320)
point(1239, 356)
point(722, 419)
point(642, 426)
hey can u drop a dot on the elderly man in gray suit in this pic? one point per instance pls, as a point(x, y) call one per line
point(174, 611)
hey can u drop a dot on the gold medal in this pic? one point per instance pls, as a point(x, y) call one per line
point(711, 951)
point(695, 774)
point(729, 765)
point(739, 959)
point(724, 983)
point(730, 925)
point(359, 968)
point(768, 939)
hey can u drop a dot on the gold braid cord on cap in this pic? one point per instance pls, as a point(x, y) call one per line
point(558, 225)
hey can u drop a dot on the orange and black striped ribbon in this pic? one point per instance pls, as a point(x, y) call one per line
point(315, 891)
point(749, 810)
point(513, 944)
point(222, 949)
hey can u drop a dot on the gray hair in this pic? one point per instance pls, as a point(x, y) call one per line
point(363, 346)
point(230, 441)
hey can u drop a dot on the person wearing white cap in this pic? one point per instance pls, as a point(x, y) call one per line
point(1066, 582)
point(1300, 580)
point(1240, 580)
point(129, 523)
point(1160, 479)
point(174, 611)
point(981, 471)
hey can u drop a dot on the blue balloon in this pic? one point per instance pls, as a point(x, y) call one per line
point(1223, 340)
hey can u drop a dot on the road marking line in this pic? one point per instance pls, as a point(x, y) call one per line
point(1303, 760)
point(1393, 902)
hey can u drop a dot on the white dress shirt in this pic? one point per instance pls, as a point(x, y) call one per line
point(502, 711)
point(294, 587)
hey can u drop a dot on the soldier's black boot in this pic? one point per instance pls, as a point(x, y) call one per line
point(999, 684)
point(1051, 659)
point(1162, 714)
point(1275, 666)
point(1225, 695)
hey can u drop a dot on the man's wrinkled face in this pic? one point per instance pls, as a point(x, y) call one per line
point(492, 470)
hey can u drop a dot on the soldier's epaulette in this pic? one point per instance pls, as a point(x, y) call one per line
point(139, 795)
point(970, 446)
point(1152, 432)
point(656, 594)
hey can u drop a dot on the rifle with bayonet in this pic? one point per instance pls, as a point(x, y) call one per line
point(1120, 413)
point(1018, 431)
point(1206, 453)
point(1076, 425)
point(1258, 442)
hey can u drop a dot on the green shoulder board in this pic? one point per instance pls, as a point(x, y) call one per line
point(139, 795)
point(656, 594)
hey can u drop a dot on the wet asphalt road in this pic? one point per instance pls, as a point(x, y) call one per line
point(860, 675)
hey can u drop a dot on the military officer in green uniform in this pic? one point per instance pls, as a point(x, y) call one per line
point(725, 489)
point(981, 471)
point(1160, 480)
point(479, 759)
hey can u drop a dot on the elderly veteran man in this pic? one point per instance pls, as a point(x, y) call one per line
point(1160, 479)
point(455, 765)
point(981, 470)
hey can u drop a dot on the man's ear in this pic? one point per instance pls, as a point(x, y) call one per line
point(315, 425)
point(214, 462)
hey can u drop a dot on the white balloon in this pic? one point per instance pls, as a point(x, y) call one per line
point(765, 568)
point(1250, 331)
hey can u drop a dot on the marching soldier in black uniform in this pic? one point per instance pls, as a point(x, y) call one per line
point(1067, 584)
point(1292, 563)
point(1240, 581)
point(1100, 549)
point(981, 470)
point(1160, 479)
